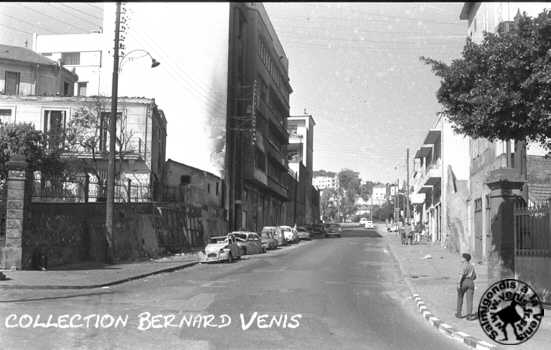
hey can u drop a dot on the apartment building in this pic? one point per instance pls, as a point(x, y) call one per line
point(82, 53)
point(439, 180)
point(23, 72)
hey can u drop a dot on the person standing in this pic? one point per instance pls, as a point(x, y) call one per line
point(465, 287)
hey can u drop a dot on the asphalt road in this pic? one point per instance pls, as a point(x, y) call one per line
point(338, 293)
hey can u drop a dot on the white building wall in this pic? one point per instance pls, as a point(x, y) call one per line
point(90, 46)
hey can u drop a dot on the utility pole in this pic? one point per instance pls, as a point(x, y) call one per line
point(110, 203)
point(407, 185)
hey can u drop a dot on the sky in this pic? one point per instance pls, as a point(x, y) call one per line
point(354, 66)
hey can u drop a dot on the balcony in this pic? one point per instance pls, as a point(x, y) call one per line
point(275, 153)
point(276, 187)
point(276, 122)
point(427, 176)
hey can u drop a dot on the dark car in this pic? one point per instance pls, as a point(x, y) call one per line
point(334, 230)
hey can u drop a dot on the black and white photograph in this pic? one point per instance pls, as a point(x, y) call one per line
point(269, 176)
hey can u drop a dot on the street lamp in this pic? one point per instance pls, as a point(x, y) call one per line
point(110, 203)
point(154, 62)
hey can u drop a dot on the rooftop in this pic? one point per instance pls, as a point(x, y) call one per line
point(16, 53)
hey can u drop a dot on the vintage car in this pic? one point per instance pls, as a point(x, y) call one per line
point(289, 234)
point(334, 230)
point(248, 242)
point(267, 239)
point(369, 224)
point(276, 234)
point(222, 248)
point(303, 233)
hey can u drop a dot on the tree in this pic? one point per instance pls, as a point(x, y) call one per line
point(24, 139)
point(86, 134)
point(328, 204)
point(501, 88)
point(349, 188)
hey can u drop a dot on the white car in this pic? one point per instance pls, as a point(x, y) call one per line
point(363, 221)
point(369, 224)
point(223, 248)
point(289, 234)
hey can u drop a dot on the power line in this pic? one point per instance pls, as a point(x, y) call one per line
point(73, 14)
point(12, 28)
point(53, 18)
point(86, 13)
point(27, 22)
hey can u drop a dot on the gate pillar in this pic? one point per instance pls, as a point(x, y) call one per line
point(506, 186)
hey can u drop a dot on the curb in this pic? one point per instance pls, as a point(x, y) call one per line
point(437, 323)
point(100, 285)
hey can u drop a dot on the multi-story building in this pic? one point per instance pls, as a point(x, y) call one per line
point(141, 136)
point(439, 181)
point(486, 156)
point(82, 53)
point(324, 182)
point(300, 151)
point(23, 72)
point(258, 91)
point(379, 195)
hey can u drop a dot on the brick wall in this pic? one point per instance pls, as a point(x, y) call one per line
point(538, 169)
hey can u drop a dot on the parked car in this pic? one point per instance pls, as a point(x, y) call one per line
point(289, 234)
point(369, 224)
point(276, 234)
point(363, 221)
point(303, 233)
point(267, 239)
point(334, 230)
point(222, 248)
point(249, 242)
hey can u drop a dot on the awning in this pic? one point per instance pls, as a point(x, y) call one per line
point(424, 151)
point(432, 137)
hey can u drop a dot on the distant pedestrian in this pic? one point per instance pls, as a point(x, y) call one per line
point(465, 287)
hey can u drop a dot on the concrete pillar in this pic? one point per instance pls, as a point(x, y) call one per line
point(12, 253)
point(505, 188)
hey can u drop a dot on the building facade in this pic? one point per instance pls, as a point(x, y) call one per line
point(300, 151)
point(258, 94)
point(439, 180)
point(486, 156)
point(141, 139)
point(324, 182)
point(81, 52)
point(23, 72)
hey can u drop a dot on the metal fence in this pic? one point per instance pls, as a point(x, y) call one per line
point(532, 229)
point(82, 189)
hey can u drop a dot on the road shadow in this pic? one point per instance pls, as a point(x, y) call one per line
point(363, 233)
point(23, 300)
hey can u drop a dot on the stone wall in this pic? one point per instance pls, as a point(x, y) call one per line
point(69, 233)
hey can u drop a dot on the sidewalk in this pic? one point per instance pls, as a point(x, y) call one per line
point(86, 276)
point(434, 280)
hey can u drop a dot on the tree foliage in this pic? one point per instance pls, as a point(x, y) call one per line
point(501, 88)
point(24, 139)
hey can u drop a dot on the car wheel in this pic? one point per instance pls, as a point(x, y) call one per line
point(230, 258)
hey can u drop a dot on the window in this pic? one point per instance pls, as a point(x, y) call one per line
point(70, 58)
point(65, 88)
point(12, 83)
point(54, 127)
point(82, 88)
point(208, 187)
point(260, 160)
point(217, 189)
point(185, 180)
point(6, 115)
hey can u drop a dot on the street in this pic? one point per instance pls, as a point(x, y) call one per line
point(338, 293)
